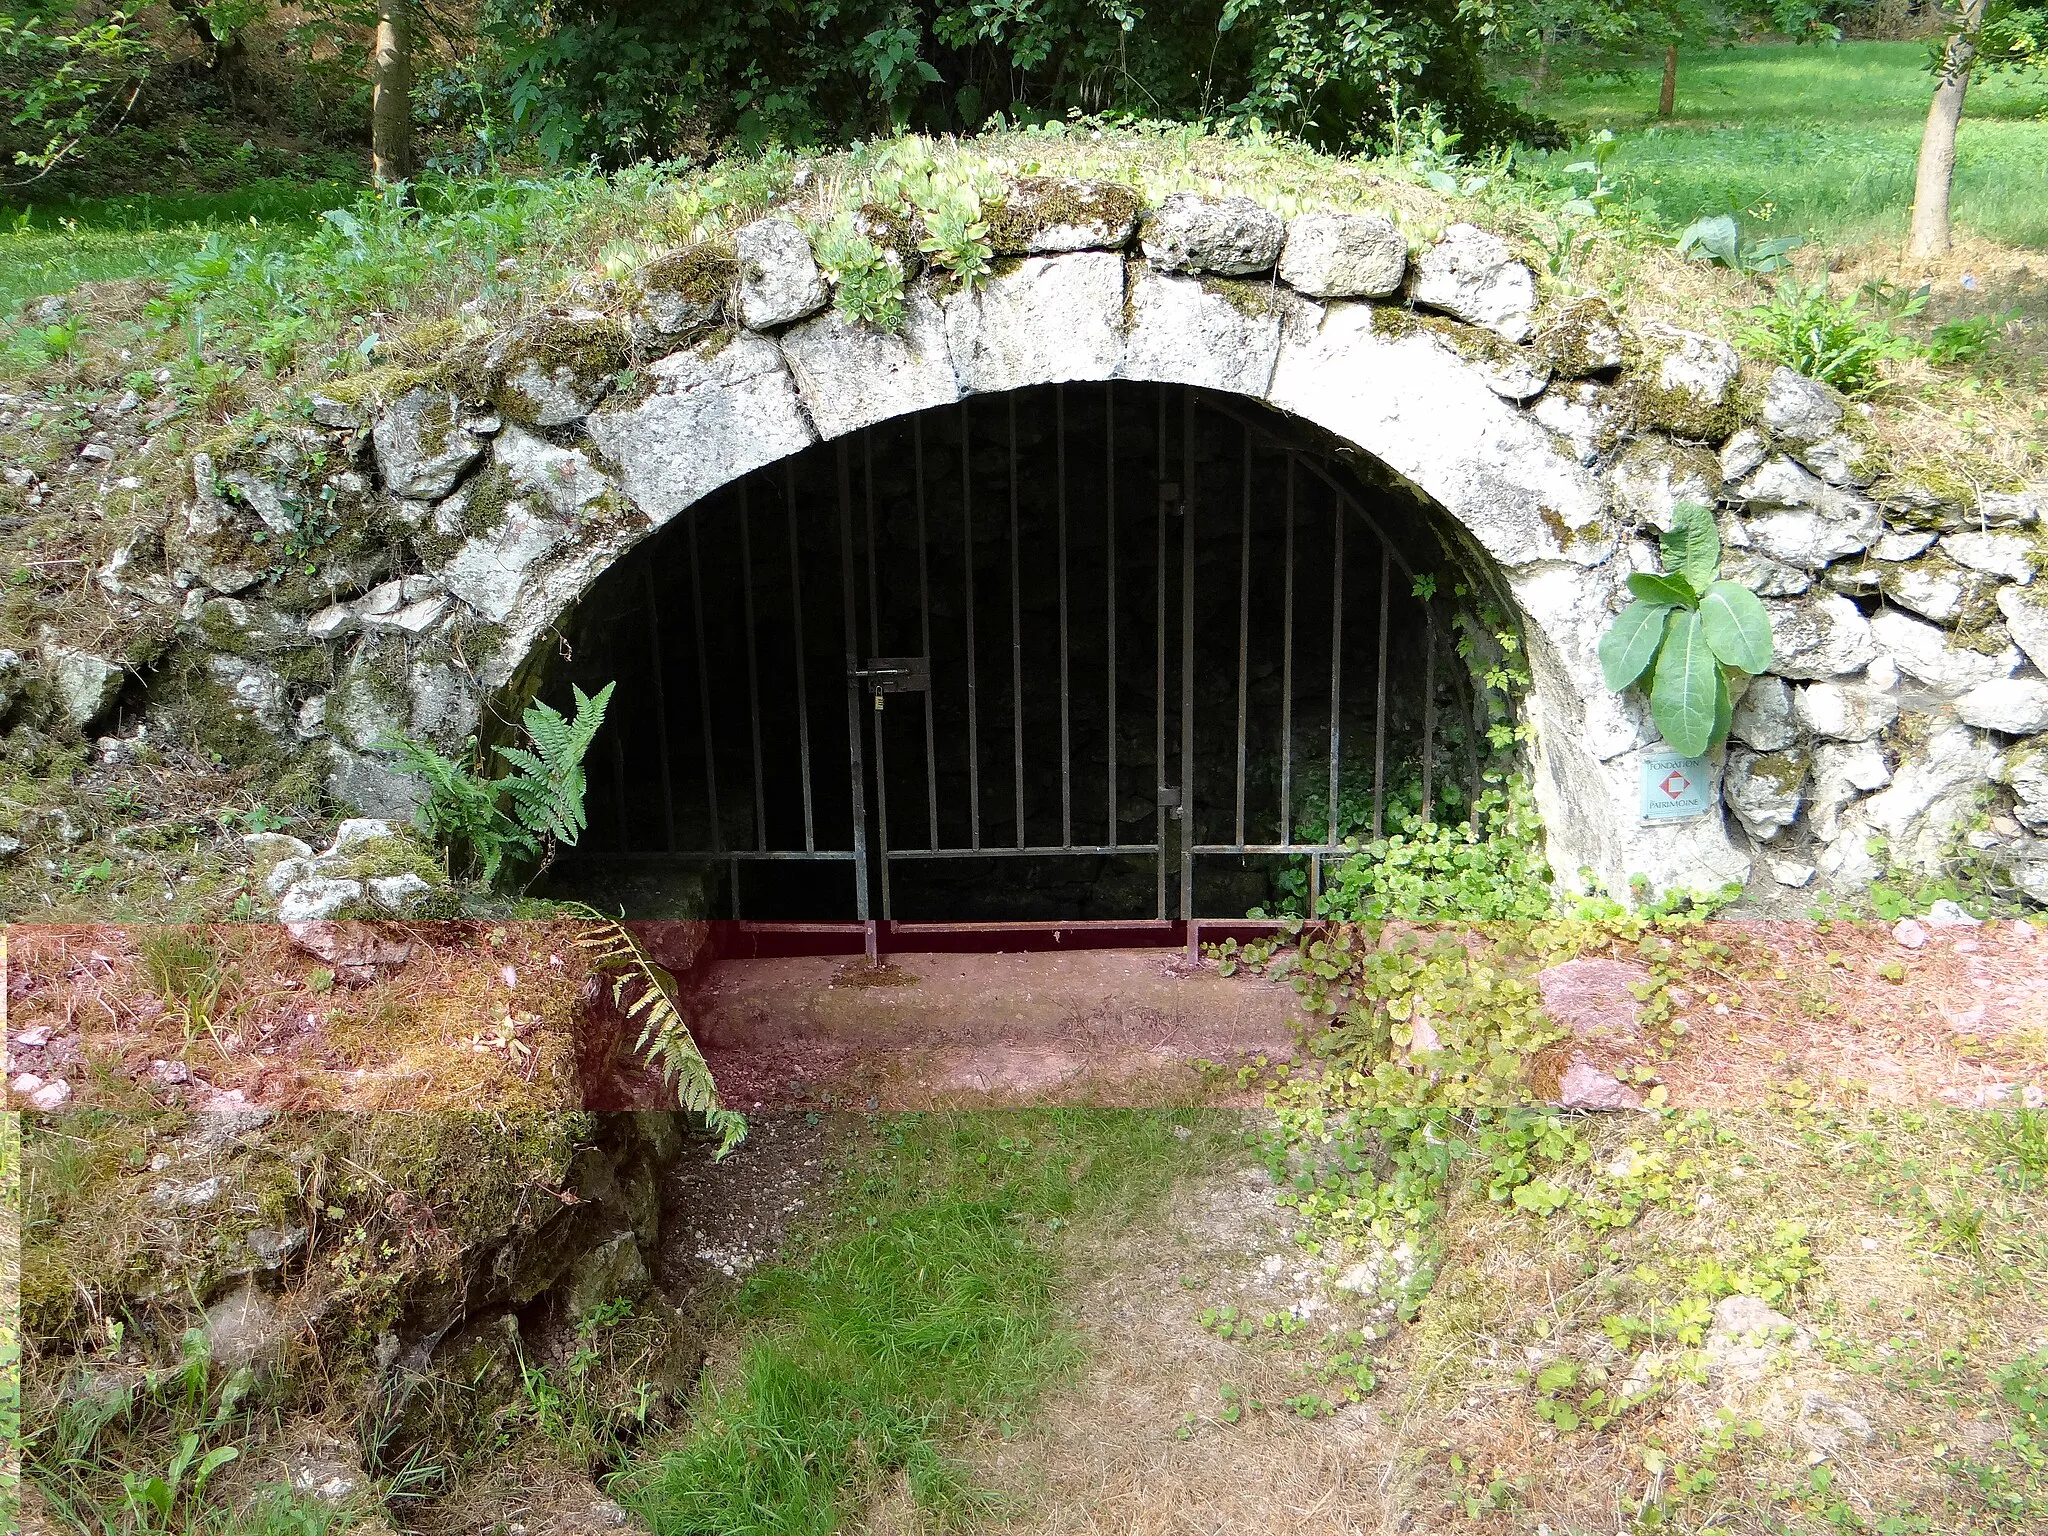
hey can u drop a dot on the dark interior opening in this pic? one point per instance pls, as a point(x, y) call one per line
point(1069, 653)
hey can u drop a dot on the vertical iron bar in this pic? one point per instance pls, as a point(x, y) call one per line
point(1016, 638)
point(1187, 656)
point(668, 793)
point(619, 784)
point(1379, 708)
point(704, 691)
point(924, 633)
point(867, 468)
point(1109, 524)
point(1159, 683)
point(1287, 668)
point(857, 768)
point(1059, 402)
point(1428, 712)
point(753, 673)
point(973, 716)
point(1336, 659)
point(1244, 618)
point(796, 611)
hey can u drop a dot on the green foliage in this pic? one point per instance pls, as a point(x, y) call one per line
point(1718, 238)
point(866, 276)
point(926, 1311)
point(665, 1038)
point(494, 825)
point(66, 67)
point(1486, 867)
point(1966, 339)
point(1840, 341)
point(1688, 632)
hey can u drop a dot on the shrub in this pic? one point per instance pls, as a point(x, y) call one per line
point(1836, 340)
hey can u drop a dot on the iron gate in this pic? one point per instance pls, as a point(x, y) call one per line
point(1004, 600)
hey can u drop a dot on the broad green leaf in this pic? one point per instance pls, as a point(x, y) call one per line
point(1673, 591)
point(1724, 707)
point(1692, 546)
point(1631, 642)
point(1738, 629)
point(1684, 695)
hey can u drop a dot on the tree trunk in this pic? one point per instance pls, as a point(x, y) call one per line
point(1928, 236)
point(1542, 81)
point(1667, 99)
point(391, 94)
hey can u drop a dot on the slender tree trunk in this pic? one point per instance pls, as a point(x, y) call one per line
point(1667, 99)
point(1929, 236)
point(391, 93)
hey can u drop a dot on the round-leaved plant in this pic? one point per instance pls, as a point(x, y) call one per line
point(1685, 634)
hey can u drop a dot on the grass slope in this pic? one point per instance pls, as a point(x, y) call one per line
point(1815, 141)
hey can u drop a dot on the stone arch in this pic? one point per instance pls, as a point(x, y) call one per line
point(1432, 403)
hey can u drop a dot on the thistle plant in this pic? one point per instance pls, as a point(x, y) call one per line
point(1688, 632)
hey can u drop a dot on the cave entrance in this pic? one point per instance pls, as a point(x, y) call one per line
point(1103, 651)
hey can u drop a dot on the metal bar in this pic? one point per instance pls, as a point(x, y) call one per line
point(1059, 405)
point(668, 791)
point(1159, 684)
point(1016, 637)
point(704, 689)
point(618, 755)
point(1244, 616)
point(1268, 848)
point(867, 465)
point(796, 611)
point(1428, 712)
point(973, 714)
point(1379, 715)
point(1287, 666)
point(857, 769)
point(1187, 656)
point(1336, 656)
point(1049, 851)
point(924, 632)
point(713, 856)
point(753, 668)
point(1109, 582)
point(1344, 493)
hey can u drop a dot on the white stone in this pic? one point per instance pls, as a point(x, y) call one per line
point(490, 572)
point(1901, 546)
point(332, 622)
point(2008, 509)
point(556, 398)
point(1948, 914)
point(1840, 460)
point(1797, 410)
point(1790, 872)
point(1934, 588)
point(1344, 256)
point(1923, 653)
point(1764, 790)
point(1472, 275)
point(253, 690)
point(851, 375)
point(1183, 333)
point(1930, 798)
point(2015, 706)
point(1232, 237)
point(1761, 574)
point(1743, 452)
point(1052, 320)
point(2006, 555)
point(1801, 520)
point(1909, 934)
point(1046, 215)
point(1763, 716)
point(2026, 616)
point(1844, 711)
point(718, 414)
point(1576, 414)
point(357, 832)
point(2024, 770)
point(421, 447)
point(1652, 475)
point(1819, 637)
point(1700, 368)
point(86, 685)
point(317, 899)
point(562, 479)
point(779, 278)
point(399, 893)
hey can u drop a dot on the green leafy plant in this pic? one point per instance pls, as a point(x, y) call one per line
point(496, 824)
point(867, 277)
point(647, 993)
point(1687, 632)
point(958, 238)
point(1719, 239)
point(1840, 341)
point(1958, 342)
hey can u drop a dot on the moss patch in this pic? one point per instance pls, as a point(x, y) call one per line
point(1036, 204)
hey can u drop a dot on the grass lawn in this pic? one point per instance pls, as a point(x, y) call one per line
point(48, 248)
point(1814, 141)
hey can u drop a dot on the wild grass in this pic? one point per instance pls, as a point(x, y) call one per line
point(1814, 141)
point(930, 1309)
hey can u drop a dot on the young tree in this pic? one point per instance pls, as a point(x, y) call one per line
point(391, 93)
point(1982, 35)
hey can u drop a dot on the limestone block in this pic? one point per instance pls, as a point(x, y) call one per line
point(1230, 237)
point(1799, 411)
point(1185, 333)
point(422, 449)
point(851, 376)
point(1844, 711)
point(1924, 654)
point(1472, 275)
point(1763, 716)
point(1053, 319)
point(1764, 789)
point(562, 479)
point(779, 278)
point(2013, 706)
point(2024, 770)
point(86, 685)
point(1583, 337)
point(1692, 379)
point(1743, 452)
point(2026, 617)
point(1344, 256)
point(1652, 475)
point(1046, 215)
point(1801, 520)
point(2006, 555)
point(1817, 637)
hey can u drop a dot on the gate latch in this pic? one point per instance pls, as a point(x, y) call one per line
point(1169, 800)
point(895, 674)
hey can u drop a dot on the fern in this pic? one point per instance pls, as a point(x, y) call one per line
point(665, 1040)
point(462, 810)
point(546, 787)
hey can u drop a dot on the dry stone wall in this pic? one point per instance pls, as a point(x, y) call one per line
point(1903, 721)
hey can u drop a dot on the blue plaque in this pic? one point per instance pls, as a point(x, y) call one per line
point(1675, 788)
